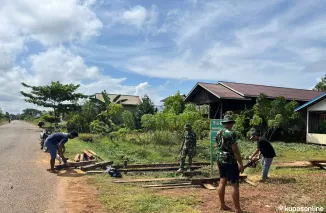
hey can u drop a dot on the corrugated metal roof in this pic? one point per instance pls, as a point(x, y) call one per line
point(220, 91)
point(132, 100)
point(253, 90)
point(313, 101)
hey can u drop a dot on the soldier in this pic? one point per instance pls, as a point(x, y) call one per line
point(228, 158)
point(188, 148)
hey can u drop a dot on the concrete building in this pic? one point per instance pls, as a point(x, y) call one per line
point(315, 111)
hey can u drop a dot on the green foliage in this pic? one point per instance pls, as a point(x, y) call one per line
point(148, 122)
point(128, 120)
point(78, 122)
point(50, 119)
point(174, 104)
point(321, 86)
point(61, 97)
point(268, 116)
point(322, 127)
point(29, 114)
point(191, 107)
point(99, 127)
point(86, 137)
point(145, 107)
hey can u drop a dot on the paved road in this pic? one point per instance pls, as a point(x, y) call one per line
point(25, 185)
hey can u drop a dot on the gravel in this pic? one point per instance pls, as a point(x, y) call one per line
point(25, 185)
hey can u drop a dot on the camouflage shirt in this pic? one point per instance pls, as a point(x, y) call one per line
point(189, 140)
point(225, 138)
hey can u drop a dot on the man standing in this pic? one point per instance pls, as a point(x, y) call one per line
point(229, 163)
point(56, 142)
point(188, 147)
point(265, 148)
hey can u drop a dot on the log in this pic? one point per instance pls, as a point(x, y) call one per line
point(77, 157)
point(163, 165)
point(150, 180)
point(95, 172)
point(96, 165)
point(154, 169)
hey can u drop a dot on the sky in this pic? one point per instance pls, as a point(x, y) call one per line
point(140, 47)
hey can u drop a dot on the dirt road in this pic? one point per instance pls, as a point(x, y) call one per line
point(25, 185)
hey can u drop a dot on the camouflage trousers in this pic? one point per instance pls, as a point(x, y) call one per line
point(186, 152)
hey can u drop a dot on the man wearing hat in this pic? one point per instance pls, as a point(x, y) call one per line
point(188, 147)
point(265, 148)
point(229, 163)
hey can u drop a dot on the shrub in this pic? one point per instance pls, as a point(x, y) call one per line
point(86, 137)
point(99, 127)
point(128, 120)
point(148, 122)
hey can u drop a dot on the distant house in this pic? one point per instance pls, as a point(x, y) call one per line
point(230, 96)
point(131, 103)
point(315, 111)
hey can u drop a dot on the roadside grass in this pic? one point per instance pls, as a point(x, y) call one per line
point(120, 150)
point(297, 186)
point(127, 198)
point(3, 122)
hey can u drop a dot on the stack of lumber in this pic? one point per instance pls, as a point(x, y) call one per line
point(302, 164)
point(87, 155)
point(173, 183)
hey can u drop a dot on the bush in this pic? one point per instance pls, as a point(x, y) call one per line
point(86, 137)
point(99, 127)
point(128, 120)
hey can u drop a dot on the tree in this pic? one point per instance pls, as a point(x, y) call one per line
point(321, 86)
point(174, 104)
point(31, 113)
point(145, 107)
point(60, 97)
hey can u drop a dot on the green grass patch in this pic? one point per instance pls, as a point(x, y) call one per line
point(126, 198)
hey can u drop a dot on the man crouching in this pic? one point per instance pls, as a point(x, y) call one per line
point(56, 142)
point(228, 158)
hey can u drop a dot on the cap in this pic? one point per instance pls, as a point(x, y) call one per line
point(228, 119)
point(187, 126)
point(253, 134)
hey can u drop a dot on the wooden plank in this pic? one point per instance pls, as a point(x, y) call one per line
point(94, 153)
point(154, 169)
point(177, 187)
point(317, 161)
point(88, 154)
point(77, 157)
point(209, 186)
point(81, 157)
point(250, 182)
point(150, 180)
point(96, 165)
point(164, 165)
point(200, 181)
point(165, 185)
point(95, 172)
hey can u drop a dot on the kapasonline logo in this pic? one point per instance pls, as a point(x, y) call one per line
point(301, 209)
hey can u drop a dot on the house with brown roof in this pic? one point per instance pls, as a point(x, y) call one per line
point(131, 101)
point(229, 96)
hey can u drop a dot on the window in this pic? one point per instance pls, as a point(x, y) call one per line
point(316, 122)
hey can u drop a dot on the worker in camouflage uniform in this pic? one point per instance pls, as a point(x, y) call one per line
point(229, 162)
point(188, 147)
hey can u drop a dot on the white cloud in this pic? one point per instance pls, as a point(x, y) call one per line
point(139, 17)
point(51, 22)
